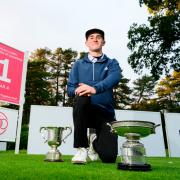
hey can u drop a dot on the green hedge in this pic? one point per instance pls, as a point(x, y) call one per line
point(23, 140)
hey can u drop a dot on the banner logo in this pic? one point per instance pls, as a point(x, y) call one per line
point(3, 123)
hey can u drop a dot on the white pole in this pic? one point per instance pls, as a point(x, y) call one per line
point(22, 100)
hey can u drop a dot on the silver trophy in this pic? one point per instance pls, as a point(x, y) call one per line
point(54, 138)
point(132, 151)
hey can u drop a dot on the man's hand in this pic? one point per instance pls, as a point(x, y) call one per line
point(85, 90)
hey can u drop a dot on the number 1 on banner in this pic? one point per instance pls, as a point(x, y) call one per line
point(5, 64)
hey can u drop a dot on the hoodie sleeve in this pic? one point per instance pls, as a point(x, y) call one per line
point(72, 80)
point(112, 79)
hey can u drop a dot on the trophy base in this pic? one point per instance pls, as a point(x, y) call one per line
point(134, 167)
point(53, 156)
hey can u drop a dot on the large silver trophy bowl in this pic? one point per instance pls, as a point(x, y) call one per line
point(132, 151)
point(54, 137)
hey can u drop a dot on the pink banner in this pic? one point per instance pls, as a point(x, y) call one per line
point(11, 68)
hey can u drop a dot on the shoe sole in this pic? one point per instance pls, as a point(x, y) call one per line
point(79, 162)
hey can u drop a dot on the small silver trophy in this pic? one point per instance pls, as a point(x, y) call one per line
point(54, 139)
point(133, 152)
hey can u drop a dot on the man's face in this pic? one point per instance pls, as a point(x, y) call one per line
point(95, 42)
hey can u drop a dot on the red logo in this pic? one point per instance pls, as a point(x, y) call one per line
point(3, 123)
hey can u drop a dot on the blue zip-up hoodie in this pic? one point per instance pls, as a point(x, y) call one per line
point(103, 75)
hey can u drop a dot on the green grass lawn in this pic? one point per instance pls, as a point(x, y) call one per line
point(23, 166)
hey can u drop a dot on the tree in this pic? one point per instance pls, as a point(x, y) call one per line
point(156, 47)
point(143, 90)
point(68, 58)
point(166, 7)
point(149, 105)
point(168, 92)
point(38, 87)
point(55, 70)
point(122, 94)
point(82, 54)
point(59, 65)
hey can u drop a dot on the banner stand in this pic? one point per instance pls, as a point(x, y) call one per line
point(22, 100)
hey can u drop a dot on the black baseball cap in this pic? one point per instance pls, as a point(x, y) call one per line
point(95, 30)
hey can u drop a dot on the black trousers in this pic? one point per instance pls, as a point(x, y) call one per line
point(86, 116)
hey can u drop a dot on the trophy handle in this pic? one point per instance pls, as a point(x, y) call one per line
point(70, 131)
point(112, 130)
point(157, 125)
point(42, 134)
point(153, 130)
